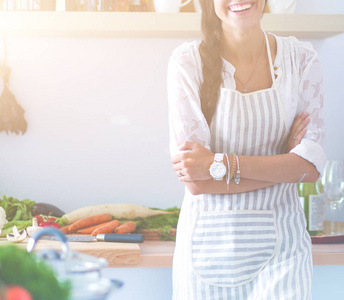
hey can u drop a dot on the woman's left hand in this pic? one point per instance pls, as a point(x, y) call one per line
point(297, 131)
point(193, 163)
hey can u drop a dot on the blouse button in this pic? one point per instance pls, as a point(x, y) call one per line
point(275, 68)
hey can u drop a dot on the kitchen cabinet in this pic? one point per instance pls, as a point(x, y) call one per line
point(154, 25)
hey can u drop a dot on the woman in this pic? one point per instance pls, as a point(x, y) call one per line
point(243, 98)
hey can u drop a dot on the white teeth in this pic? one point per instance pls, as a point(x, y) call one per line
point(240, 7)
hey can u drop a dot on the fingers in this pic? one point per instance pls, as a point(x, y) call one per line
point(181, 176)
point(298, 130)
point(184, 148)
point(298, 137)
point(300, 123)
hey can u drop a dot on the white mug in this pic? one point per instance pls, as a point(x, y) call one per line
point(197, 6)
point(169, 6)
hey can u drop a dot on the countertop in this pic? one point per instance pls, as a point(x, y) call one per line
point(152, 254)
point(160, 254)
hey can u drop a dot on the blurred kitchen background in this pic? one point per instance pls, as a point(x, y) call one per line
point(97, 131)
point(96, 110)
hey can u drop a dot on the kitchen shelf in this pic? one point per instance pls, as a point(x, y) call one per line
point(153, 25)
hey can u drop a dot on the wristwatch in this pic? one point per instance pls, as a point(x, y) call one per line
point(218, 169)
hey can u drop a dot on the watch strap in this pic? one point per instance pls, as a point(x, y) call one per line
point(218, 157)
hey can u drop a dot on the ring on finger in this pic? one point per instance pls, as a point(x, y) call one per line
point(294, 137)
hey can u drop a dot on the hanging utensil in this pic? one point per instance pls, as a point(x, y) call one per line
point(11, 113)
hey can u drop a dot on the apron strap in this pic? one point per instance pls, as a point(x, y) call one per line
point(274, 82)
point(270, 60)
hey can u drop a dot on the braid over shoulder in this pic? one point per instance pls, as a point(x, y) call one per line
point(210, 51)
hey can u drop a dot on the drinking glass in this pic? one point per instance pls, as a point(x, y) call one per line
point(331, 187)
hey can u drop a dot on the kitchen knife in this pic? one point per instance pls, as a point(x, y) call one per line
point(108, 237)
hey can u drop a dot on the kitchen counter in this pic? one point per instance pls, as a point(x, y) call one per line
point(159, 254)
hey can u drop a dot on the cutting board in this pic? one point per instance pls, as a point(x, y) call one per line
point(115, 253)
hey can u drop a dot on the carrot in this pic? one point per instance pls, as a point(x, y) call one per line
point(87, 222)
point(64, 229)
point(118, 210)
point(127, 227)
point(89, 230)
point(107, 228)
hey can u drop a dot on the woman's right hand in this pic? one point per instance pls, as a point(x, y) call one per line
point(297, 131)
point(193, 163)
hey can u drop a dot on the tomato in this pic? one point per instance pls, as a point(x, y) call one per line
point(17, 293)
point(44, 224)
point(44, 221)
point(39, 218)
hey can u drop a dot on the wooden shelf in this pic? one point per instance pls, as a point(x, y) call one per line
point(152, 25)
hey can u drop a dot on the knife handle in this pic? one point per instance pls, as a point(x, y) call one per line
point(122, 238)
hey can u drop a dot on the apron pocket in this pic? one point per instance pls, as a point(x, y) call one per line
point(230, 248)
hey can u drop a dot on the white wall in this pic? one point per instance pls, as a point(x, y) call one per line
point(97, 122)
point(97, 118)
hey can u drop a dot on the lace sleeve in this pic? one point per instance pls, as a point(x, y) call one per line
point(311, 100)
point(186, 120)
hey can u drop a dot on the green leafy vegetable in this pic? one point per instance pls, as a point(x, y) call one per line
point(20, 225)
point(16, 209)
point(160, 222)
point(18, 267)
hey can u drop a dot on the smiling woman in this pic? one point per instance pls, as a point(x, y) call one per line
point(239, 103)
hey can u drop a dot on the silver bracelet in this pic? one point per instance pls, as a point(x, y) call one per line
point(303, 177)
point(237, 176)
point(228, 172)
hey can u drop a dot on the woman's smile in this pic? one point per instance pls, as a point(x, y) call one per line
point(240, 7)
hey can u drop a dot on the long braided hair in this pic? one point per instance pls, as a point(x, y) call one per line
point(210, 50)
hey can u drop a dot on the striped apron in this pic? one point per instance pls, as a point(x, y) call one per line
point(249, 246)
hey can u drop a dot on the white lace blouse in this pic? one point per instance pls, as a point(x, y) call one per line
point(299, 82)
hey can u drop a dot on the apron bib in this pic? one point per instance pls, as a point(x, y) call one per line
point(229, 248)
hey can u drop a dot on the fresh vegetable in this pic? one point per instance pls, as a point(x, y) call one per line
point(86, 222)
point(20, 225)
point(34, 228)
point(162, 222)
point(44, 221)
point(89, 230)
point(117, 210)
point(18, 267)
point(107, 228)
point(16, 292)
point(16, 236)
point(126, 227)
point(3, 220)
point(16, 209)
point(64, 229)
point(47, 209)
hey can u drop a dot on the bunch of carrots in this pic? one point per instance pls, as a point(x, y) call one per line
point(99, 224)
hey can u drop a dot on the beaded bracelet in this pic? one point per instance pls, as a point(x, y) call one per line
point(234, 165)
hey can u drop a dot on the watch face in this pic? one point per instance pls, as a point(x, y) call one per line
point(217, 170)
